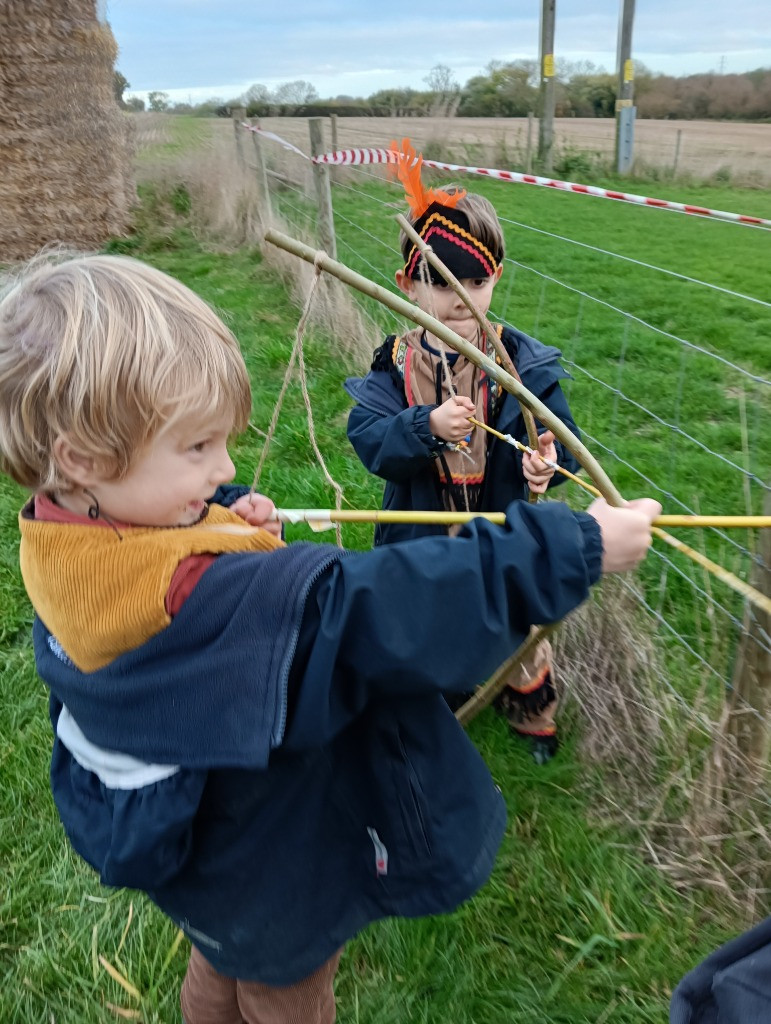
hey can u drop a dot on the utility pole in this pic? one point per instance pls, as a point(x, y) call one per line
point(625, 109)
point(546, 92)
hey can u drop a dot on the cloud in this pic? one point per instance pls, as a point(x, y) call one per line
point(346, 46)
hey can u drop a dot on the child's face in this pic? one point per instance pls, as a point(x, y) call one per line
point(170, 481)
point(442, 302)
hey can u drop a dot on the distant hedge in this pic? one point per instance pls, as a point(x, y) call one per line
point(362, 109)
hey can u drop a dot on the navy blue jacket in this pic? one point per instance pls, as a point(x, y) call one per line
point(394, 440)
point(277, 768)
point(732, 986)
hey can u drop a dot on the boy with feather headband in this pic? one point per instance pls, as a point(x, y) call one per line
point(411, 427)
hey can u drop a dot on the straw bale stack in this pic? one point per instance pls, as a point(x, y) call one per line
point(65, 146)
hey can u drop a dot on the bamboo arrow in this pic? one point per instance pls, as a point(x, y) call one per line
point(508, 439)
point(379, 515)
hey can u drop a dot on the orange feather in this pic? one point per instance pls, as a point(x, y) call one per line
point(408, 165)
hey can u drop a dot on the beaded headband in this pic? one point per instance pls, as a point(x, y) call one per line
point(440, 225)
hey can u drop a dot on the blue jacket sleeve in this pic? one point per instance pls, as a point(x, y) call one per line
point(394, 447)
point(227, 494)
point(436, 614)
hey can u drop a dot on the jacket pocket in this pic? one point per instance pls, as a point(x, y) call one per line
point(412, 803)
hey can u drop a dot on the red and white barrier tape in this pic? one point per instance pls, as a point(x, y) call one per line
point(276, 138)
point(359, 157)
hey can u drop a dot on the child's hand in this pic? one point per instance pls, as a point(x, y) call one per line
point(256, 509)
point(450, 420)
point(537, 473)
point(626, 532)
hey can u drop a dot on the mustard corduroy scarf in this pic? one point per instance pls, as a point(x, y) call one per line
point(101, 592)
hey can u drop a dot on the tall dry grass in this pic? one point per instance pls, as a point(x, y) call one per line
point(671, 768)
point(213, 190)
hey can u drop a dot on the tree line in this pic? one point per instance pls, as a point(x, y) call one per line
point(503, 90)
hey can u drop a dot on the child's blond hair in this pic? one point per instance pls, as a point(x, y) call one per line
point(108, 351)
point(482, 221)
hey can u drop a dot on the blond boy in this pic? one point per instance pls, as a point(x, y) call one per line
point(235, 733)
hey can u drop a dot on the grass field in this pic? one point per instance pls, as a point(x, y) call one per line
point(576, 926)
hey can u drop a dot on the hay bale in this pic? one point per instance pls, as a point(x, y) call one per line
point(66, 145)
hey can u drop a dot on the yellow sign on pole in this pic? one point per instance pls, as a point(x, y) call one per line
point(629, 70)
point(548, 65)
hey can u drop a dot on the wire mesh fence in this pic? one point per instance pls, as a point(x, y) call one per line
point(670, 383)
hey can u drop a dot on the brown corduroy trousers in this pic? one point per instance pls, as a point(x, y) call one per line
point(209, 997)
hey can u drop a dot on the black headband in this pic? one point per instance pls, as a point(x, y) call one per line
point(446, 230)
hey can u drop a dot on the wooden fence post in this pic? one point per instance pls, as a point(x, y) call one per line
point(677, 150)
point(751, 697)
point(239, 115)
point(265, 210)
point(333, 171)
point(326, 222)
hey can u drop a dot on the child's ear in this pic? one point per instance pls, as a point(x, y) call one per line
point(404, 284)
point(75, 465)
point(498, 273)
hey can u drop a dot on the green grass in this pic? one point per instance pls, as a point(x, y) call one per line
point(161, 139)
point(574, 926)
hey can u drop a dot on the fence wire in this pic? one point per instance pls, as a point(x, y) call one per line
point(670, 415)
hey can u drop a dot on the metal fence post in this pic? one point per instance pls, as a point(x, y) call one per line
point(625, 139)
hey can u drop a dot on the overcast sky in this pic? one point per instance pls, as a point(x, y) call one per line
point(196, 49)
